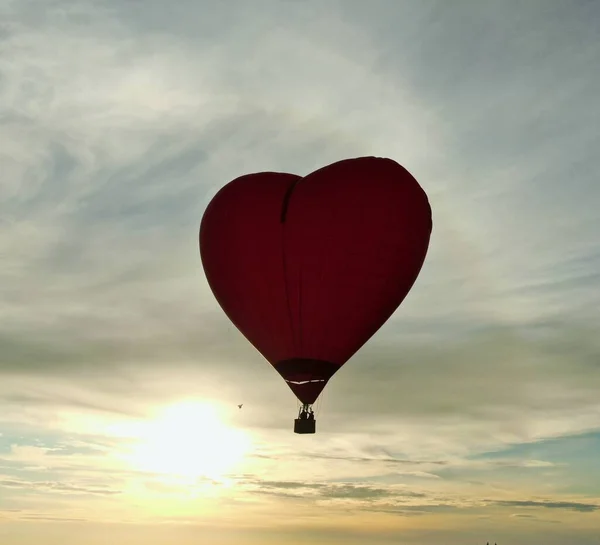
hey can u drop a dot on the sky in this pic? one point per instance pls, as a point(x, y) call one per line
point(473, 415)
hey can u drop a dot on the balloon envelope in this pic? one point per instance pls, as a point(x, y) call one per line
point(309, 268)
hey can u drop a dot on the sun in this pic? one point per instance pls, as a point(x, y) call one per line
point(189, 440)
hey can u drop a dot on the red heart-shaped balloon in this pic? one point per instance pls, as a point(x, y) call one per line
point(309, 268)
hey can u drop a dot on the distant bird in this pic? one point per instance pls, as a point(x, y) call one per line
point(240, 406)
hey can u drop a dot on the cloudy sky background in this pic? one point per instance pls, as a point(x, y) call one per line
point(473, 415)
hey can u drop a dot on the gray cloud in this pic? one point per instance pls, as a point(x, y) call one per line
point(566, 505)
point(58, 487)
point(333, 491)
point(365, 492)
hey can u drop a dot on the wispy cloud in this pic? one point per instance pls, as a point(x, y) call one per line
point(575, 506)
point(119, 122)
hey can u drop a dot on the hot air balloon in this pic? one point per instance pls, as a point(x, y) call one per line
point(309, 268)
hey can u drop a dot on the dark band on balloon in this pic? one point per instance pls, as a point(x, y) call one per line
point(302, 370)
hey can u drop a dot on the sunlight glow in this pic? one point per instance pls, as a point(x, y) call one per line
point(188, 440)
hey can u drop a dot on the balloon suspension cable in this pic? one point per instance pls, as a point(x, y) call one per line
point(306, 408)
point(318, 403)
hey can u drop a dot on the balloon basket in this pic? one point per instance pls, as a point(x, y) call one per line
point(305, 426)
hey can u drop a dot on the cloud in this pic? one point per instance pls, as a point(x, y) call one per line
point(526, 516)
point(57, 487)
point(571, 506)
point(113, 140)
point(330, 490)
point(48, 518)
